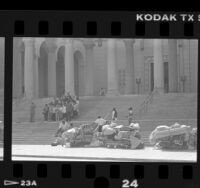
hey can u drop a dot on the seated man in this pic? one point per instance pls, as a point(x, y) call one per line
point(100, 121)
point(135, 137)
point(64, 125)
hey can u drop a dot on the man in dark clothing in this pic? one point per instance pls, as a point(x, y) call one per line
point(71, 108)
point(130, 115)
point(46, 112)
point(67, 114)
point(32, 112)
point(114, 114)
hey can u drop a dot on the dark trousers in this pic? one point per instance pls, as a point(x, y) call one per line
point(45, 116)
point(130, 120)
point(32, 118)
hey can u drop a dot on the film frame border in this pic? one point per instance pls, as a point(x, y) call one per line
point(95, 25)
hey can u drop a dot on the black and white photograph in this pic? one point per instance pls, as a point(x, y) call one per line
point(103, 99)
point(2, 47)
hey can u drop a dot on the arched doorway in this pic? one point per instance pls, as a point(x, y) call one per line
point(60, 72)
point(22, 54)
point(78, 74)
point(43, 71)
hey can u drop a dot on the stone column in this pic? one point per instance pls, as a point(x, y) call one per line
point(173, 69)
point(89, 56)
point(112, 88)
point(52, 56)
point(158, 66)
point(35, 74)
point(28, 67)
point(130, 76)
point(69, 67)
point(17, 68)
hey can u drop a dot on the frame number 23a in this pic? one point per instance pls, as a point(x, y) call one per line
point(129, 184)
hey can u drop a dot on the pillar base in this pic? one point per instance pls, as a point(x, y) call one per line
point(113, 92)
point(159, 90)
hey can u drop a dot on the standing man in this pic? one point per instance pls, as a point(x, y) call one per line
point(45, 112)
point(114, 115)
point(32, 112)
point(130, 115)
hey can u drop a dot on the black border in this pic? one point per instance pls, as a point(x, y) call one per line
point(77, 169)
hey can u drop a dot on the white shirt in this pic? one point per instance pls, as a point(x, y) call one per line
point(100, 121)
point(63, 109)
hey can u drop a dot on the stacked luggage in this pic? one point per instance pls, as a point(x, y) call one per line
point(112, 135)
point(76, 136)
point(119, 136)
point(175, 137)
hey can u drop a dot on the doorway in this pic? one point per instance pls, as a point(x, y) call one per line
point(60, 72)
point(151, 77)
point(43, 71)
point(166, 77)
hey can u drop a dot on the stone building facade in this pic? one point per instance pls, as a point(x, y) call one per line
point(47, 67)
point(2, 52)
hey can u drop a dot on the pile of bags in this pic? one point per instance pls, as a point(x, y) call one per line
point(175, 136)
point(110, 135)
point(76, 136)
point(119, 136)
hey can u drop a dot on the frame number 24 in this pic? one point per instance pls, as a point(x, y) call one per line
point(129, 184)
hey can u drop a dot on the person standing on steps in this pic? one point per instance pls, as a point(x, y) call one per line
point(32, 112)
point(114, 115)
point(130, 115)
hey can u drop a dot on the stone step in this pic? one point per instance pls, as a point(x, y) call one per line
point(90, 107)
point(43, 133)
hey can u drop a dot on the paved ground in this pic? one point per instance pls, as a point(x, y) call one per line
point(1, 153)
point(59, 153)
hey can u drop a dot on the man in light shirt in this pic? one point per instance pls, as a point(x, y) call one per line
point(64, 110)
point(63, 126)
point(100, 121)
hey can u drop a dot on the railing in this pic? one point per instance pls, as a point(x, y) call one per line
point(143, 108)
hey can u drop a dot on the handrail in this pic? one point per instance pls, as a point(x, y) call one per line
point(144, 106)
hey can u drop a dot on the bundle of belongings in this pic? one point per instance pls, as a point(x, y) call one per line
point(118, 136)
point(100, 133)
point(74, 136)
point(175, 137)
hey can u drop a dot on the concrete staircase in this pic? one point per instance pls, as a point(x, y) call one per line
point(165, 109)
point(21, 109)
point(172, 106)
point(90, 107)
point(41, 133)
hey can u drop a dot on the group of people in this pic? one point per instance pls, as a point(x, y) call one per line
point(102, 127)
point(105, 132)
point(130, 115)
point(66, 106)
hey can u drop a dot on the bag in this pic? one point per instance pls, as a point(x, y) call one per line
point(108, 131)
point(123, 135)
